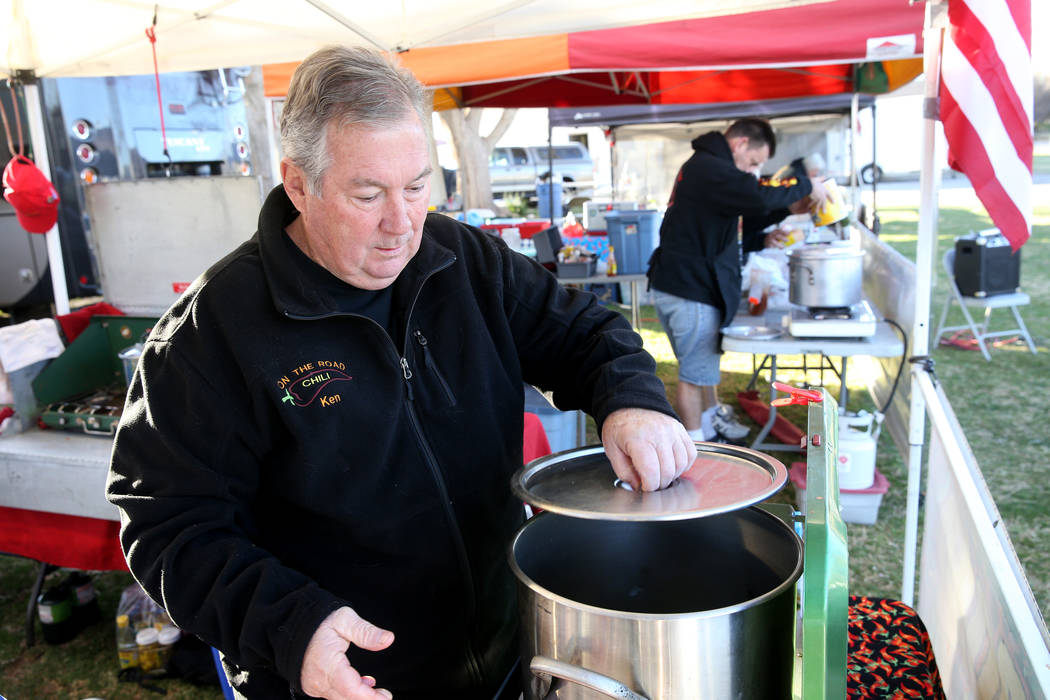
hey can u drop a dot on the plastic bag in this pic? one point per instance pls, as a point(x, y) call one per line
point(142, 612)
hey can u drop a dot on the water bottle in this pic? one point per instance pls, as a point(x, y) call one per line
point(127, 647)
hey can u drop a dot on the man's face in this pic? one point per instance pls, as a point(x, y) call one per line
point(748, 158)
point(367, 221)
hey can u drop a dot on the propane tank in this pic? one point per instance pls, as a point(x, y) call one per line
point(858, 435)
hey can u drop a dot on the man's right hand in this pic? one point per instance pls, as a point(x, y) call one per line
point(819, 193)
point(326, 671)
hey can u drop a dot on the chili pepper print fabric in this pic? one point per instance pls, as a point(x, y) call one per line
point(889, 652)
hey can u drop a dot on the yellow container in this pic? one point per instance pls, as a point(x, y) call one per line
point(148, 648)
point(834, 207)
point(166, 639)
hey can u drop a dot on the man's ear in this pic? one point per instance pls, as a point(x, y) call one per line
point(294, 183)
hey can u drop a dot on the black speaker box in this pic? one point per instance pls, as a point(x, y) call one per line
point(985, 265)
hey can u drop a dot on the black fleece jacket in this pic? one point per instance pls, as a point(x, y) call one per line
point(278, 457)
point(699, 253)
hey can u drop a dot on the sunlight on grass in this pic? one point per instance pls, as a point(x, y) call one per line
point(657, 345)
point(897, 237)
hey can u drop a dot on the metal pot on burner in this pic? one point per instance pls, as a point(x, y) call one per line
point(826, 275)
point(680, 594)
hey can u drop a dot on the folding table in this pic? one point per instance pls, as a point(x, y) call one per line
point(884, 343)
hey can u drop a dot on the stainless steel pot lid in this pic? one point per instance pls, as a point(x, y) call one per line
point(581, 483)
point(834, 250)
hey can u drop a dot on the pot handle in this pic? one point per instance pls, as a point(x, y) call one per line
point(807, 268)
point(545, 666)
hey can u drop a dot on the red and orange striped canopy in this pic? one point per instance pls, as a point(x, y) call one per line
point(795, 51)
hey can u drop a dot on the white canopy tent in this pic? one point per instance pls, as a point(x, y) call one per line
point(65, 38)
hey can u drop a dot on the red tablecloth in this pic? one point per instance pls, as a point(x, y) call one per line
point(75, 542)
point(536, 444)
point(526, 229)
point(69, 541)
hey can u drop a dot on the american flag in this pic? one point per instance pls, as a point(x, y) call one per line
point(986, 106)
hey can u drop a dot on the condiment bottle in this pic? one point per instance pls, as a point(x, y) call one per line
point(148, 648)
point(610, 266)
point(167, 638)
point(127, 648)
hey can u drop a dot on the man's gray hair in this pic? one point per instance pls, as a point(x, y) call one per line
point(347, 86)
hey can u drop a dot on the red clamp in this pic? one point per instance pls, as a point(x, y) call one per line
point(799, 396)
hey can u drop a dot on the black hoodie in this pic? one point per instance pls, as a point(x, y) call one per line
point(279, 457)
point(699, 254)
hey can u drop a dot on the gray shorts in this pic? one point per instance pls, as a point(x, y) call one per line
point(692, 328)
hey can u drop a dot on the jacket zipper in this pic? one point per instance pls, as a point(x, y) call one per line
point(428, 359)
point(432, 464)
point(439, 480)
point(461, 547)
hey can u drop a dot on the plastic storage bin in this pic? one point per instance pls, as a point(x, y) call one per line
point(860, 506)
point(560, 426)
point(594, 213)
point(543, 200)
point(634, 235)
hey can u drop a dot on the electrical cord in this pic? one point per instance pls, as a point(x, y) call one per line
point(900, 367)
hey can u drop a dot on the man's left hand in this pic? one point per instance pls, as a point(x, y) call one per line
point(647, 449)
point(775, 238)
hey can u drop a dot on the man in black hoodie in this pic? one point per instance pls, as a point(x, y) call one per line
point(695, 271)
point(313, 463)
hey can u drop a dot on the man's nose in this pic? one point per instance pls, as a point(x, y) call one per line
point(395, 216)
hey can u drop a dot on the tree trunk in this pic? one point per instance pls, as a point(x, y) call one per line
point(473, 151)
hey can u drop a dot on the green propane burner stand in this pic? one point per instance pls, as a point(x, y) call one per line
point(83, 389)
point(822, 651)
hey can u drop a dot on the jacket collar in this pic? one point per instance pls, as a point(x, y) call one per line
point(301, 287)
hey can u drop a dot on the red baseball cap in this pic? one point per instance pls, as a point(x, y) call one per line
point(31, 194)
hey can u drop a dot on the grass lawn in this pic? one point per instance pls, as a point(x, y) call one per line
point(1002, 406)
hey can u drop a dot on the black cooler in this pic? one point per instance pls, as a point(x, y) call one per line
point(985, 264)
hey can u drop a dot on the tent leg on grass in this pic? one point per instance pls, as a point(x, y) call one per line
point(42, 573)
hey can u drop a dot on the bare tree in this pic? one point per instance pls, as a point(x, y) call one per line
point(473, 151)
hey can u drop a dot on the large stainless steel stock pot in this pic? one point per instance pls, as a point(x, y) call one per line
point(678, 594)
point(826, 276)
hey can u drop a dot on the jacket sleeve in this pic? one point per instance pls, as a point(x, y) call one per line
point(725, 188)
point(752, 237)
point(567, 342)
point(185, 468)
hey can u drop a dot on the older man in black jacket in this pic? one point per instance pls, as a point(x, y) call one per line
point(313, 464)
point(695, 272)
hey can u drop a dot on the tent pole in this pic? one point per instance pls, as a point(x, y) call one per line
point(35, 113)
point(929, 184)
point(854, 108)
point(550, 170)
point(875, 223)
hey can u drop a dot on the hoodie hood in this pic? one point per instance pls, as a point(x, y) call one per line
point(713, 142)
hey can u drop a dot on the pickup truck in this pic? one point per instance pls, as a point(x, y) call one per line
point(517, 168)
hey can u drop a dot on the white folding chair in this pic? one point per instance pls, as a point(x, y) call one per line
point(988, 303)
